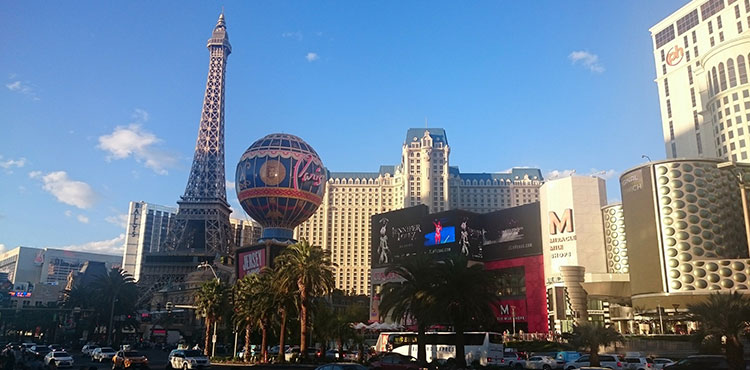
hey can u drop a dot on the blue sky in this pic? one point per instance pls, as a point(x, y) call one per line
point(100, 101)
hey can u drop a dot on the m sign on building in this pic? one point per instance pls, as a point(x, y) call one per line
point(564, 225)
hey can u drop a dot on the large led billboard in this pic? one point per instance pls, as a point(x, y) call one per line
point(512, 233)
point(397, 234)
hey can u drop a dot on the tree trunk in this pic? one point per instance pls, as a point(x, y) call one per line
point(421, 342)
point(248, 331)
point(460, 347)
point(302, 320)
point(208, 335)
point(735, 353)
point(340, 344)
point(264, 343)
point(110, 325)
point(281, 336)
point(594, 355)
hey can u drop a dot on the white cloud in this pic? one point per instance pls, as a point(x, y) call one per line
point(82, 219)
point(114, 246)
point(294, 35)
point(133, 140)
point(119, 220)
point(605, 174)
point(230, 185)
point(556, 174)
point(588, 60)
point(22, 88)
point(311, 57)
point(74, 193)
point(68, 213)
point(18, 163)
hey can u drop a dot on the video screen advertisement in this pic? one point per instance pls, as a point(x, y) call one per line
point(397, 234)
point(512, 233)
point(252, 259)
point(453, 232)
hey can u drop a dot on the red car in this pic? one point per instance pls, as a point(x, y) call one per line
point(396, 361)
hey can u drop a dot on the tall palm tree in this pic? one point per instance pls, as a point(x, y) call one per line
point(117, 288)
point(464, 296)
point(311, 269)
point(264, 307)
point(591, 336)
point(210, 300)
point(725, 315)
point(414, 296)
point(285, 296)
point(243, 310)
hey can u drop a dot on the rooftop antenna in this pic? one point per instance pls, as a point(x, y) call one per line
point(425, 122)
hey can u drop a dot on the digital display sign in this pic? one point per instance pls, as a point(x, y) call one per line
point(512, 233)
point(397, 234)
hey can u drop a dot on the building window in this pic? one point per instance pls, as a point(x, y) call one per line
point(698, 141)
point(674, 150)
point(742, 70)
point(671, 131)
point(721, 36)
point(690, 74)
point(687, 22)
point(718, 21)
point(695, 37)
point(692, 96)
point(695, 51)
point(739, 27)
point(666, 87)
point(695, 120)
point(712, 42)
point(512, 282)
point(669, 109)
point(737, 11)
point(711, 7)
point(710, 27)
point(664, 36)
point(722, 77)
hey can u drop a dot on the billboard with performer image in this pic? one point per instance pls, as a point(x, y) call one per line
point(397, 234)
point(454, 232)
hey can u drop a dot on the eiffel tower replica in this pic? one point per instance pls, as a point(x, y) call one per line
point(200, 231)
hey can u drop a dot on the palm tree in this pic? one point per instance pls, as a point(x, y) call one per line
point(285, 296)
point(115, 289)
point(211, 300)
point(413, 296)
point(591, 336)
point(464, 297)
point(311, 269)
point(264, 307)
point(725, 315)
point(243, 310)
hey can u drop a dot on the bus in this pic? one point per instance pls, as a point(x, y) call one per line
point(486, 347)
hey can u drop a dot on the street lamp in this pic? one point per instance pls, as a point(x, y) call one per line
point(646, 157)
point(203, 265)
point(735, 169)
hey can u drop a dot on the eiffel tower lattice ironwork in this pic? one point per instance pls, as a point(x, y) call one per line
point(202, 221)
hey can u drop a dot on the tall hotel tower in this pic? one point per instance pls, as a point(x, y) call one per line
point(200, 230)
point(424, 176)
point(701, 53)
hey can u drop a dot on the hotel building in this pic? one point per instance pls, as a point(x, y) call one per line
point(424, 176)
point(702, 53)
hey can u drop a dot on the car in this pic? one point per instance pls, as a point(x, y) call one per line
point(341, 366)
point(102, 354)
point(58, 359)
point(129, 359)
point(541, 362)
point(564, 357)
point(333, 354)
point(187, 359)
point(661, 362)
point(38, 351)
point(395, 361)
point(701, 362)
point(608, 361)
point(291, 354)
point(512, 360)
point(87, 349)
point(638, 363)
point(56, 347)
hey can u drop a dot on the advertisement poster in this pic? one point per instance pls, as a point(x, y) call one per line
point(509, 309)
point(251, 262)
point(453, 232)
point(397, 234)
point(512, 233)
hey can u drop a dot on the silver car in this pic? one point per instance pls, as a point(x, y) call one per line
point(541, 362)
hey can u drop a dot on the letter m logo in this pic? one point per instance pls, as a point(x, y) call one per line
point(564, 225)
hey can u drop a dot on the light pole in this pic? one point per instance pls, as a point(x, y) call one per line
point(513, 317)
point(646, 157)
point(739, 176)
point(203, 265)
point(661, 322)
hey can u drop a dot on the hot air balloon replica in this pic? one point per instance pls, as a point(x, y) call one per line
point(279, 181)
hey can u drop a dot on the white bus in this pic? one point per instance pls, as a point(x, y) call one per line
point(487, 347)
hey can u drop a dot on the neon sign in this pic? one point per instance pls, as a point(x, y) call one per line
point(20, 294)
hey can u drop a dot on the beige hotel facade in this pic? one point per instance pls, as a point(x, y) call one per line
point(424, 176)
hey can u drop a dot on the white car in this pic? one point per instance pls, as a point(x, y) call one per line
point(661, 362)
point(512, 360)
point(541, 362)
point(638, 363)
point(102, 353)
point(605, 360)
point(59, 359)
point(87, 349)
point(188, 359)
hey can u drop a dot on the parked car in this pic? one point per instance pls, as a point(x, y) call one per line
point(56, 347)
point(341, 366)
point(333, 354)
point(102, 354)
point(638, 363)
point(605, 360)
point(291, 354)
point(187, 359)
point(701, 362)
point(661, 362)
point(59, 359)
point(38, 351)
point(512, 360)
point(541, 362)
point(87, 349)
point(396, 361)
point(564, 357)
point(129, 359)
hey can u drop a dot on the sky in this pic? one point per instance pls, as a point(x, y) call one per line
point(100, 101)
